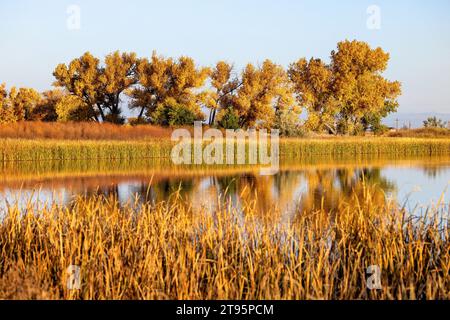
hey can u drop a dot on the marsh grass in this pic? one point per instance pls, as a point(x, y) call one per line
point(170, 251)
point(44, 150)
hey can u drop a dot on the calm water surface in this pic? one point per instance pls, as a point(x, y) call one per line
point(416, 183)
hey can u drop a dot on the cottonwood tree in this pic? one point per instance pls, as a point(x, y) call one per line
point(118, 75)
point(81, 79)
point(313, 84)
point(23, 101)
point(59, 105)
point(265, 90)
point(167, 82)
point(99, 87)
point(364, 95)
point(349, 95)
point(28, 105)
point(46, 110)
point(6, 111)
point(18, 104)
point(223, 86)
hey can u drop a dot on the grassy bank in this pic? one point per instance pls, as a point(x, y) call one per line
point(167, 251)
point(40, 150)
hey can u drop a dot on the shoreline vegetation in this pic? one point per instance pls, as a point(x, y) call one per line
point(290, 148)
point(76, 131)
point(168, 251)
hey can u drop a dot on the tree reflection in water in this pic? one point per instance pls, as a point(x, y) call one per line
point(294, 189)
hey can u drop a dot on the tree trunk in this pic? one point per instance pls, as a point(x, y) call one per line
point(214, 116)
point(210, 117)
point(141, 114)
point(102, 114)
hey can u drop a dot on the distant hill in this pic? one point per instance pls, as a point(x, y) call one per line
point(416, 119)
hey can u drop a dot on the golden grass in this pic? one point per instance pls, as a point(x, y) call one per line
point(40, 150)
point(421, 133)
point(167, 251)
point(108, 131)
point(81, 131)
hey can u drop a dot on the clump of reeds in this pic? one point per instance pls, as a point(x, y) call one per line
point(170, 251)
point(357, 146)
point(43, 150)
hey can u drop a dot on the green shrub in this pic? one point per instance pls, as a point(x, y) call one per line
point(229, 119)
point(172, 113)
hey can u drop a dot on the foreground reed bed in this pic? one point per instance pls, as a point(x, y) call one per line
point(40, 150)
point(167, 251)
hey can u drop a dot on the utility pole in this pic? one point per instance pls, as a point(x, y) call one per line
point(396, 123)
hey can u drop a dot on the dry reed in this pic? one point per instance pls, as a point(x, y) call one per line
point(80, 131)
point(293, 149)
point(167, 251)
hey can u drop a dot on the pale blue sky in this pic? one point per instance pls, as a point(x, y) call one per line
point(34, 37)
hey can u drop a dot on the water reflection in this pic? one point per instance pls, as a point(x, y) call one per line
point(295, 187)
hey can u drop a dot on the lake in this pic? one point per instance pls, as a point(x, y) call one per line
point(416, 183)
